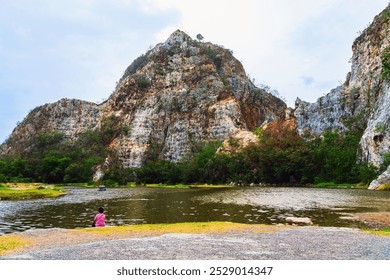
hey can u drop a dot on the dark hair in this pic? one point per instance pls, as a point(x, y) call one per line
point(101, 210)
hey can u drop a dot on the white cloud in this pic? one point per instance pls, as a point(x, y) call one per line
point(279, 41)
point(76, 49)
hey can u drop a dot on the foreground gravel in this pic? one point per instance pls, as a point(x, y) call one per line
point(302, 243)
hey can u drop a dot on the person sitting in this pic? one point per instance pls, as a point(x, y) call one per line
point(100, 218)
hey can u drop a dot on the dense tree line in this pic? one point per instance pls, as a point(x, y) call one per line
point(279, 156)
point(52, 159)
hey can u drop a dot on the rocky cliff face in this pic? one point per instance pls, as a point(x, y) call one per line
point(178, 94)
point(327, 113)
point(185, 92)
point(363, 100)
point(67, 116)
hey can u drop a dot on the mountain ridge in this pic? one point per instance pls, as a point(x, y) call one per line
point(184, 92)
point(179, 93)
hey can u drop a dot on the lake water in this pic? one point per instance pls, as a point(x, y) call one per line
point(266, 205)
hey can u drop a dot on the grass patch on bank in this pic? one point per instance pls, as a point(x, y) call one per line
point(381, 232)
point(11, 242)
point(86, 185)
point(184, 186)
point(340, 185)
point(174, 186)
point(188, 228)
point(29, 191)
point(133, 185)
point(210, 186)
point(384, 187)
point(177, 186)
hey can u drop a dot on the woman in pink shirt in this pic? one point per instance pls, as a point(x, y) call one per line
point(100, 218)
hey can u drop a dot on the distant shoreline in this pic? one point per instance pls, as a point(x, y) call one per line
point(23, 191)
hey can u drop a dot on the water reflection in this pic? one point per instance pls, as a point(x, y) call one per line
point(325, 207)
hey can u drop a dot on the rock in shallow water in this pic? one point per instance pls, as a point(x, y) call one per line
point(299, 221)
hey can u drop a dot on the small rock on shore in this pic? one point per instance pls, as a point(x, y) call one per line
point(298, 221)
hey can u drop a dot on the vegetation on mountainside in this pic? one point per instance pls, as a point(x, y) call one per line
point(136, 64)
point(213, 55)
point(279, 156)
point(286, 158)
point(386, 64)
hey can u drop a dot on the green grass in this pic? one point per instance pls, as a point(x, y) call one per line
point(185, 186)
point(338, 185)
point(190, 227)
point(384, 187)
point(160, 185)
point(382, 232)
point(171, 186)
point(11, 242)
point(210, 186)
point(7, 193)
point(87, 185)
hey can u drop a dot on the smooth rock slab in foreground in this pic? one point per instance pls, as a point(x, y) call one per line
point(300, 243)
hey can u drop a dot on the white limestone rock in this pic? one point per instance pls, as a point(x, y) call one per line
point(364, 97)
point(375, 141)
point(384, 178)
point(325, 114)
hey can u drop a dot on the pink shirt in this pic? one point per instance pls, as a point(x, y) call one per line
point(100, 220)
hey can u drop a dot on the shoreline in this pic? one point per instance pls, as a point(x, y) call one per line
point(196, 240)
point(324, 185)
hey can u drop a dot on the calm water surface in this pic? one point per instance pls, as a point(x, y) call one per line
point(267, 205)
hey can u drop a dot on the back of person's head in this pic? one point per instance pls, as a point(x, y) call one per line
point(101, 210)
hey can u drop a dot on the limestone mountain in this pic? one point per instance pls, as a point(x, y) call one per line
point(175, 96)
point(364, 98)
point(69, 117)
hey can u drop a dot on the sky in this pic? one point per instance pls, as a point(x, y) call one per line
point(79, 49)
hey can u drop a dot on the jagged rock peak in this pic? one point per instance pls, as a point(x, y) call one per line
point(183, 92)
point(378, 25)
point(177, 37)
